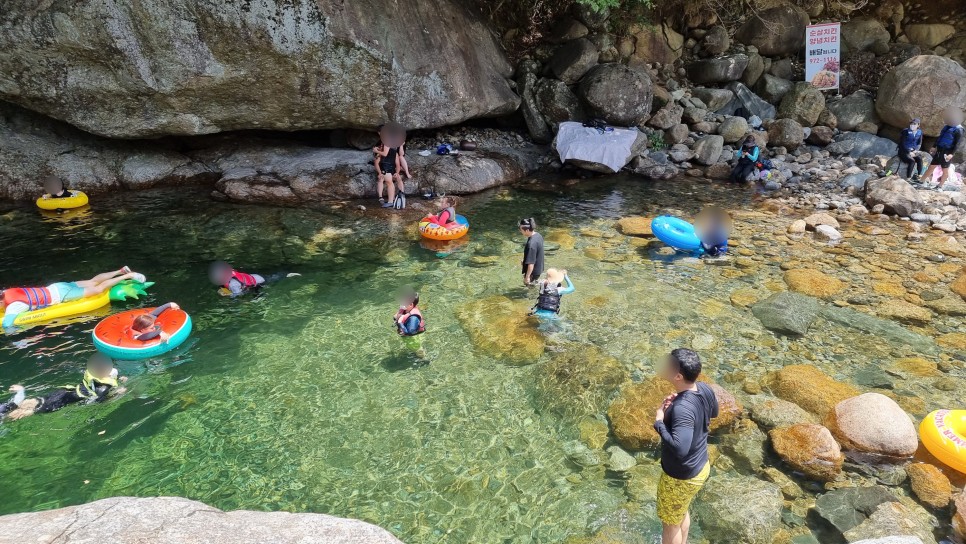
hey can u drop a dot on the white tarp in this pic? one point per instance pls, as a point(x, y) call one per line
point(611, 149)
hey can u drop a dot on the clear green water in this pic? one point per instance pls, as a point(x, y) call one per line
point(303, 399)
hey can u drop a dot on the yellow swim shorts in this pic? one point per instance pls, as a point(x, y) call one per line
point(674, 496)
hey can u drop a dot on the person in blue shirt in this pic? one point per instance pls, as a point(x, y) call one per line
point(712, 227)
point(551, 290)
point(910, 141)
point(747, 159)
point(946, 145)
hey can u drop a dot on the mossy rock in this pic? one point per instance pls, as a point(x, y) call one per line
point(578, 382)
point(499, 327)
point(810, 388)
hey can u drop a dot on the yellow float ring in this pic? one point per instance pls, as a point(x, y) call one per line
point(76, 200)
point(428, 229)
point(943, 432)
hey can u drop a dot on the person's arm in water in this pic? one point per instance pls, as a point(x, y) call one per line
point(19, 395)
point(681, 433)
point(568, 289)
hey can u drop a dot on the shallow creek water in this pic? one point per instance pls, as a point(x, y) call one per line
point(303, 399)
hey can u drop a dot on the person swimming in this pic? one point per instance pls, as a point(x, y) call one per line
point(234, 282)
point(712, 227)
point(144, 327)
point(100, 381)
point(551, 290)
point(54, 188)
point(409, 322)
point(17, 300)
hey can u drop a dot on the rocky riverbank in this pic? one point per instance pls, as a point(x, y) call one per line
point(173, 520)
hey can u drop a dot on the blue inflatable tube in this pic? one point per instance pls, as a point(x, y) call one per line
point(676, 233)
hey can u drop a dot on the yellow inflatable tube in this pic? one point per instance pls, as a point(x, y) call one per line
point(943, 432)
point(64, 309)
point(76, 200)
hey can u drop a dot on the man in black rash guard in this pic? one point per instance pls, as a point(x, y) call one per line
point(683, 421)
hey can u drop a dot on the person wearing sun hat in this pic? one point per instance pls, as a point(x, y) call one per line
point(551, 289)
point(910, 142)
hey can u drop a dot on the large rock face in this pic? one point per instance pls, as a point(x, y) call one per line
point(776, 32)
point(873, 423)
point(718, 70)
point(146, 69)
point(173, 520)
point(923, 87)
point(660, 44)
point(618, 94)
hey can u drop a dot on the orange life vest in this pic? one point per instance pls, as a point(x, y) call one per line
point(34, 297)
point(247, 280)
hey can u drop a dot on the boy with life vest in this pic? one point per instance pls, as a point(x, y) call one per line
point(234, 282)
point(409, 322)
point(100, 381)
point(143, 328)
point(551, 290)
point(17, 300)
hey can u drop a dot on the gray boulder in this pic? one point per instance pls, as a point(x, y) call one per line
point(618, 94)
point(772, 88)
point(787, 312)
point(717, 70)
point(929, 35)
point(714, 99)
point(771, 412)
point(864, 34)
point(716, 41)
point(895, 194)
point(747, 101)
point(881, 328)
point(855, 181)
point(853, 110)
point(733, 129)
point(536, 124)
point(745, 445)
point(803, 103)
point(173, 520)
point(754, 70)
point(786, 133)
point(777, 31)
point(149, 69)
point(734, 508)
point(708, 149)
point(557, 103)
point(572, 60)
point(820, 136)
point(666, 117)
point(923, 86)
point(861, 145)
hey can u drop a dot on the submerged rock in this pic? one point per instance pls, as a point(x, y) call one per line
point(770, 412)
point(787, 312)
point(813, 283)
point(873, 423)
point(578, 382)
point(930, 485)
point(809, 388)
point(499, 327)
point(959, 518)
point(173, 520)
point(895, 518)
point(848, 507)
point(632, 413)
point(735, 508)
point(810, 449)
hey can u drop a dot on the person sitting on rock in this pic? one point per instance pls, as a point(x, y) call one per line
point(945, 146)
point(747, 158)
point(100, 381)
point(910, 141)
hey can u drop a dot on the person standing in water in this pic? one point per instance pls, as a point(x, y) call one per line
point(551, 291)
point(683, 421)
point(532, 265)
